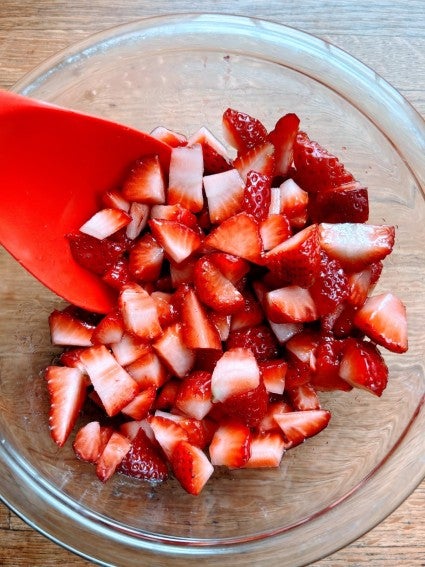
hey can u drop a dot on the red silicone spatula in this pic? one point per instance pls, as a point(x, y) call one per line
point(54, 164)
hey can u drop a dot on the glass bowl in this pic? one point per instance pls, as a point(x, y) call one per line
point(181, 72)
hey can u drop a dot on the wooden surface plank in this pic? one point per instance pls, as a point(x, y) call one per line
point(387, 35)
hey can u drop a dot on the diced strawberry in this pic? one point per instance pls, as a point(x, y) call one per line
point(330, 287)
point(140, 405)
point(116, 449)
point(198, 330)
point(235, 372)
point(284, 331)
point(143, 460)
point(316, 168)
point(173, 352)
point(383, 319)
point(268, 423)
point(182, 273)
point(361, 283)
point(283, 138)
point(166, 398)
point(178, 240)
point(167, 312)
point(168, 136)
point(241, 130)
point(267, 450)
point(139, 312)
point(232, 267)
point(230, 445)
point(326, 377)
point(256, 196)
point(175, 213)
point(199, 431)
point(215, 290)
point(67, 392)
point(95, 255)
point(214, 152)
point(194, 395)
point(139, 213)
point(274, 230)
point(105, 222)
point(249, 407)
point(168, 433)
point(362, 366)
point(303, 347)
point(274, 208)
point(294, 203)
point(300, 425)
point(259, 339)
point(145, 260)
point(238, 235)
point(115, 200)
point(109, 330)
point(130, 429)
point(185, 177)
point(297, 374)
point(71, 358)
point(249, 315)
point(356, 245)
point(346, 203)
point(260, 158)
point(89, 443)
point(148, 370)
point(225, 194)
point(304, 398)
point(297, 258)
point(342, 322)
point(191, 467)
point(129, 348)
point(118, 274)
point(145, 182)
point(113, 384)
point(290, 304)
point(68, 330)
point(273, 374)
point(206, 359)
point(222, 323)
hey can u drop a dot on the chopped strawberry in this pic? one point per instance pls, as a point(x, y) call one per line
point(242, 131)
point(71, 358)
point(346, 203)
point(191, 467)
point(105, 222)
point(116, 449)
point(259, 339)
point(232, 267)
point(185, 177)
point(383, 319)
point(139, 213)
point(294, 203)
point(256, 196)
point(173, 352)
point(235, 372)
point(238, 235)
point(139, 312)
point(166, 309)
point(68, 330)
point(129, 348)
point(326, 376)
point(249, 407)
point(140, 405)
point(194, 395)
point(177, 239)
point(118, 274)
point(303, 347)
point(267, 450)
point(166, 398)
point(182, 273)
point(148, 370)
point(95, 255)
point(249, 315)
point(268, 423)
point(168, 136)
point(316, 168)
point(356, 245)
point(214, 153)
point(361, 283)
point(146, 257)
point(284, 331)
point(304, 398)
point(109, 330)
point(300, 425)
point(225, 194)
point(273, 374)
point(290, 304)
point(260, 158)
point(175, 213)
point(143, 460)
point(199, 431)
point(67, 392)
point(115, 200)
point(112, 383)
point(168, 433)
point(330, 287)
point(274, 230)
point(145, 182)
point(206, 359)
point(362, 366)
point(230, 445)
point(215, 290)
point(198, 330)
point(89, 442)
point(283, 138)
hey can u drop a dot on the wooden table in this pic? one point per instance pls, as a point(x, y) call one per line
point(388, 35)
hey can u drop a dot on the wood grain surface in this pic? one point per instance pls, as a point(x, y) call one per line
point(389, 36)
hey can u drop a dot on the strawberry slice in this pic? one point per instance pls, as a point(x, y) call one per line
point(139, 312)
point(267, 450)
point(115, 200)
point(290, 304)
point(173, 351)
point(140, 405)
point(112, 383)
point(294, 203)
point(118, 274)
point(168, 433)
point(67, 392)
point(304, 397)
point(356, 245)
point(185, 177)
point(198, 330)
point(225, 193)
point(191, 467)
point(274, 230)
point(90, 441)
point(129, 348)
point(109, 330)
point(139, 213)
point(116, 449)
point(236, 372)
point(238, 235)
point(362, 283)
point(148, 370)
point(95, 255)
point(105, 222)
point(383, 319)
point(232, 267)
point(175, 213)
point(166, 399)
point(316, 168)
point(214, 152)
point(249, 407)
point(194, 395)
point(67, 330)
point(300, 425)
point(283, 138)
point(260, 158)
point(241, 130)
point(250, 315)
point(168, 136)
point(328, 356)
point(362, 366)
point(257, 195)
point(145, 182)
point(178, 240)
point(145, 260)
point(259, 339)
point(230, 445)
point(143, 460)
point(273, 374)
point(346, 203)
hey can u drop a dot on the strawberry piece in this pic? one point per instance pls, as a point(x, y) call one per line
point(67, 392)
point(316, 168)
point(300, 425)
point(191, 467)
point(250, 315)
point(346, 203)
point(290, 304)
point(267, 450)
point(145, 182)
point(256, 196)
point(236, 372)
point(260, 158)
point(238, 235)
point(259, 339)
point(182, 273)
point(214, 152)
point(105, 222)
point(284, 331)
point(116, 449)
point(225, 194)
point(143, 460)
point(198, 330)
point(274, 230)
point(185, 177)
point(168, 136)
point(283, 138)
point(294, 203)
point(139, 312)
point(118, 274)
point(206, 359)
point(194, 395)
point(68, 330)
point(95, 255)
point(214, 290)
point(109, 330)
point(145, 260)
point(362, 366)
point(173, 352)
point(268, 423)
point(148, 370)
point(168, 433)
point(178, 240)
point(166, 399)
point(71, 358)
point(89, 442)
point(166, 309)
point(199, 431)
point(330, 287)
point(383, 319)
point(303, 347)
point(273, 374)
point(115, 200)
point(356, 245)
point(140, 405)
point(232, 267)
point(129, 348)
point(230, 445)
point(241, 130)
point(361, 283)
point(112, 383)
point(139, 213)
point(328, 356)
point(249, 407)
point(175, 213)
point(297, 258)
point(304, 397)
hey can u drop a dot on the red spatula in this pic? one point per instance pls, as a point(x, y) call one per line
point(54, 164)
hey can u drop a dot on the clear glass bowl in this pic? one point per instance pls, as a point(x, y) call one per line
point(182, 72)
